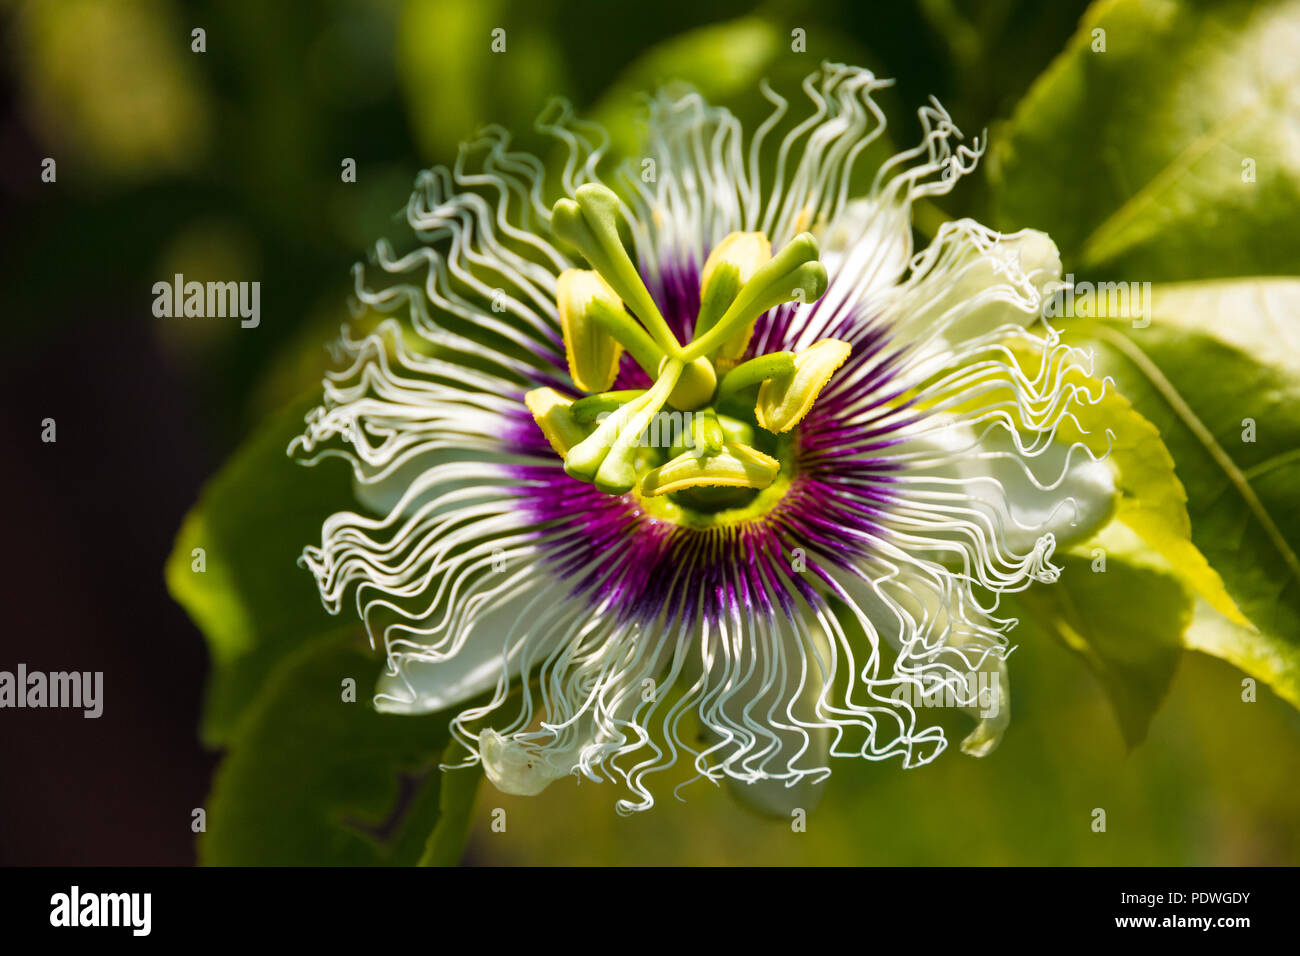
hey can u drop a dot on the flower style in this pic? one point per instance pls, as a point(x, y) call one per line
point(713, 449)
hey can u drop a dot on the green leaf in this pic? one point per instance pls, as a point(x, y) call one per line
point(720, 61)
point(1150, 500)
point(252, 602)
point(1170, 155)
point(725, 63)
point(1017, 37)
point(313, 778)
point(1118, 606)
point(455, 81)
point(1216, 372)
point(1144, 558)
point(446, 844)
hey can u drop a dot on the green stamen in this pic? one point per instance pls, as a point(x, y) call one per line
point(785, 399)
point(591, 352)
point(615, 440)
point(590, 408)
point(793, 273)
point(623, 328)
point(707, 435)
point(591, 224)
point(554, 414)
point(734, 466)
point(720, 465)
point(754, 372)
point(617, 474)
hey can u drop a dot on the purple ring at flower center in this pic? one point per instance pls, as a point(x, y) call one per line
point(611, 550)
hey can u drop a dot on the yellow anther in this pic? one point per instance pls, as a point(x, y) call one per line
point(785, 399)
point(730, 265)
point(592, 353)
point(741, 253)
point(735, 466)
point(551, 411)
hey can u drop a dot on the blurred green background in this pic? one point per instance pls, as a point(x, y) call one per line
point(226, 163)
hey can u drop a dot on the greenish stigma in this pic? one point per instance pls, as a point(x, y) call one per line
point(708, 436)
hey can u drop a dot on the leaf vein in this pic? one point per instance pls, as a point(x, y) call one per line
point(1202, 434)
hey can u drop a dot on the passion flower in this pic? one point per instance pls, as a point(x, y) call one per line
point(862, 454)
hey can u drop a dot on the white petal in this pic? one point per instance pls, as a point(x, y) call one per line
point(1061, 490)
point(424, 687)
point(873, 223)
point(518, 769)
point(382, 493)
point(711, 179)
point(592, 674)
point(989, 687)
point(972, 282)
point(488, 643)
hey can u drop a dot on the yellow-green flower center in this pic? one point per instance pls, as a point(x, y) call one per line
point(706, 439)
